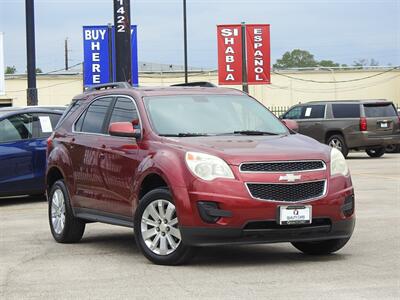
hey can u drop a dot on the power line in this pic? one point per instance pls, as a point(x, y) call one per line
point(336, 81)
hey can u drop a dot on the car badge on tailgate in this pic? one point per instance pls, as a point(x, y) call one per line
point(289, 177)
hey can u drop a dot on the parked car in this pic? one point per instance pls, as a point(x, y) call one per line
point(368, 125)
point(193, 166)
point(23, 135)
point(393, 148)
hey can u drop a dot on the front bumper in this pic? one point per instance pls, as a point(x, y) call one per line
point(206, 236)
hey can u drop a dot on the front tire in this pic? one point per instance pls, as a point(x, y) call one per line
point(64, 227)
point(157, 230)
point(322, 247)
point(376, 152)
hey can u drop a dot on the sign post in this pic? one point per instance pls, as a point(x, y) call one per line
point(244, 55)
point(245, 85)
point(122, 35)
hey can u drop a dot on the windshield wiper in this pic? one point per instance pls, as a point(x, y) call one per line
point(185, 134)
point(254, 132)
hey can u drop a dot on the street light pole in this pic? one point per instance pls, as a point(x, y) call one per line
point(31, 92)
point(185, 41)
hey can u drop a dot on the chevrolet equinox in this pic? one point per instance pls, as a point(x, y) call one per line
point(191, 166)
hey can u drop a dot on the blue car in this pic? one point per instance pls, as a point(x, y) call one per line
point(23, 135)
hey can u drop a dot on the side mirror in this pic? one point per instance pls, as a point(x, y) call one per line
point(291, 124)
point(123, 129)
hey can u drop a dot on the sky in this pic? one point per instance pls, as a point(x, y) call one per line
point(338, 30)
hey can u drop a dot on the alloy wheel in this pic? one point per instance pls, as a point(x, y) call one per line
point(58, 211)
point(159, 227)
point(336, 143)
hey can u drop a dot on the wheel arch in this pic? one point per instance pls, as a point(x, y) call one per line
point(332, 132)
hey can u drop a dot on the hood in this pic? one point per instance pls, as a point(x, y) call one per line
point(237, 149)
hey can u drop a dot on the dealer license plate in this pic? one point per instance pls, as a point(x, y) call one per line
point(295, 214)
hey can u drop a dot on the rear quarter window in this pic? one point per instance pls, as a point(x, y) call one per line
point(346, 110)
point(378, 111)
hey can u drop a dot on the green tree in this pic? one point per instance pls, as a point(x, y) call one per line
point(10, 70)
point(363, 62)
point(38, 70)
point(328, 64)
point(297, 58)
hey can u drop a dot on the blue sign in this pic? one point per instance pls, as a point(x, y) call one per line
point(96, 66)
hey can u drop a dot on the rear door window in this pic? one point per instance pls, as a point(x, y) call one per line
point(313, 112)
point(379, 110)
point(44, 124)
point(346, 110)
point(93, 119)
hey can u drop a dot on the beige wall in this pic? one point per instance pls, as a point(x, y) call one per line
point(284, 91)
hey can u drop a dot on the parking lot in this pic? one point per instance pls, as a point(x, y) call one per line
point(107, 263)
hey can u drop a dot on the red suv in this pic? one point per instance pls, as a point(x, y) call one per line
point(193, 166)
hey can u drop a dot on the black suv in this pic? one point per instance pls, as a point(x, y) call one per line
point(368, 125)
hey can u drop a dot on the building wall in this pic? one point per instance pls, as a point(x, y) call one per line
point(287, 88)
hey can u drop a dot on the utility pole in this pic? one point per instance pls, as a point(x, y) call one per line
point(185, 41)
point(31, 92)
point(66, 53)
point(122, 35)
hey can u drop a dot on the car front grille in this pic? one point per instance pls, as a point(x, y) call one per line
point(285, 166)
point(287, 192)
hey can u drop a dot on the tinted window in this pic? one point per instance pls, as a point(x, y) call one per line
point(93, 118)
point(313, 112)
point(346, 110)
point(70, 109)
point(44, 124)
point(16, 128)
point(124, 111)
point(379, 111)
point(294, 113)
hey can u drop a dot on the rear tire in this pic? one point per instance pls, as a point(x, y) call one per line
point(64, 227)
point(376, 152)
point(322, 247)
point(337, 141)
point(157, 230)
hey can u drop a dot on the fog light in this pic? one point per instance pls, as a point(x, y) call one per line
point(348, 206)
point(210, 213)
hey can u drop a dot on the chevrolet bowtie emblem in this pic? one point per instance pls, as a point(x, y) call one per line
point(289, 177)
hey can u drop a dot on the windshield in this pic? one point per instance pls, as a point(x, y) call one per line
point(210, 115)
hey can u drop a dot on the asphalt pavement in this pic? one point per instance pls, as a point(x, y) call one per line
point(107, 264)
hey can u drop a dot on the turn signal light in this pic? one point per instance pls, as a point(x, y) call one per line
point(363, 124)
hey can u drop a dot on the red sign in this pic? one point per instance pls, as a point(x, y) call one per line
point(258, 54)
point(229, 54)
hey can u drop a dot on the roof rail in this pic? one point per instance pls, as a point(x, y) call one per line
point(106, 86)
point(196, 84)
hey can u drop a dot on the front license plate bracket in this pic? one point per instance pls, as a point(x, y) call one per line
point(294, 214)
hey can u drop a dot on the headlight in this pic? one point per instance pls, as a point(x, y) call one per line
point(338, 163)
point(208, 167)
